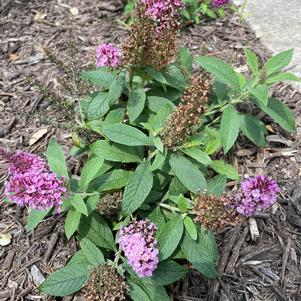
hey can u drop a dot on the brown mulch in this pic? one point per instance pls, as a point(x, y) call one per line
point(265, 268)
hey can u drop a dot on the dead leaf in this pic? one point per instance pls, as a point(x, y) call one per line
point(5, 239)
point(37, 136)
point(14, 57)
point(74, 11)
point(270, 128)
point(39, 16)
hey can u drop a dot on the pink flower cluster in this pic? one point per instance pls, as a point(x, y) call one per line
point(108, 55)
point(256, 194)
point(30, 182)
point(139, 245)
point(219, 3)
point(164, 12)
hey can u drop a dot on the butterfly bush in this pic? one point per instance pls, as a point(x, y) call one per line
point(108, 55)
point(219, 3)
point(139, 245)
point(256, 194)
point(30, 182)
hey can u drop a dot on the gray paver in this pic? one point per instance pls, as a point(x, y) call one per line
point(278, 24)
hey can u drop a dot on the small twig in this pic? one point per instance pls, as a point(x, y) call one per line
point(285, 258)
point(51, 245)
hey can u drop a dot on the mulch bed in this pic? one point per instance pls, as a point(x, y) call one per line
point(265, 267)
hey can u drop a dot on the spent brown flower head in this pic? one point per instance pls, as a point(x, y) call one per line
point(182, 122)
point(215, 212)
point(110, 204)
point(151, 42)
point(105, 284)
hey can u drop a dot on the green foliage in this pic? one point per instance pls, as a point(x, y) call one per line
point(129, 157)
point(65, 281)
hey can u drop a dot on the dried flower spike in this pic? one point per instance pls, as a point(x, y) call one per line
point(139, 245)
point(215, 212)
point(154, 35)
point(256, 194)
point(110, 204)
point(181, 124)
point(105, 284)
point(108, 55)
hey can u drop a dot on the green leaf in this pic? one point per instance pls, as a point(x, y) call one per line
point(90, 171)
point(182, 203)
point(155, 103)
point(229, 127)
point(220, 70)
point(72, 222)
point(137, 293)
point(125, 134)
point(35, 217)
point(189, 175)
point(56, 159)
point(92, 253)
point(167, 272)
point(208, 243)
point(261, 92)
point(101, 76)
point(161, 117)
point(92, 202)
point(197, 155)
point(170, 237)
point(79, 258)
point(156, 75)
point(185, 61)
point(95, 228)
point(224, 169)
point(199, 256)
point(253, 129)
point(156, 216)
point(281, 77)
point(278, 61)
point(116, 88)
point(99, 106)
point(158, 143)
point(137, 188)
point(136, 103)
point(78, 203)
point(112, 180)
point(115, 116)
point(190, 227)
point(65, 281)
point(115, 152)
point(217, 185)
point(280, 112)
point(252, 61)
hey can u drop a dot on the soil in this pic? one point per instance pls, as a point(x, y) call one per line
point(264, 267)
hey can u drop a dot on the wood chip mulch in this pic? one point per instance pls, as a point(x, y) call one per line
point(261, 260)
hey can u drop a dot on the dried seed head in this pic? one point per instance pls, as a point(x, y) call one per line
point(215, 212)
point(181, 124)
point(105, 284)
point(110, 204)
point(154, 35)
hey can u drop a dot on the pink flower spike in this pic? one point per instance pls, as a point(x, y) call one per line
point(108, 55)
point(138, 243)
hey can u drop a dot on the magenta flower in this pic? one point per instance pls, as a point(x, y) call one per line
point(139, 245)
point(164, 12)
point(21, 162)
point(37, 190)
point(31, 183)
point(108, 55)
point(256, 194)
point(219, 3)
